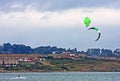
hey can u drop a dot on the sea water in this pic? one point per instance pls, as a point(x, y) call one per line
point(61, 76)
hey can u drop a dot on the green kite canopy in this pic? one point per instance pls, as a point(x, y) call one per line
point(87, 21)
point(96, 29)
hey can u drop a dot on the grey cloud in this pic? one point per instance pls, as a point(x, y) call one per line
point(54, 5)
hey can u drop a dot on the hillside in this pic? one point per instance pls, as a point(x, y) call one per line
point(84, 65)
point(68, 65)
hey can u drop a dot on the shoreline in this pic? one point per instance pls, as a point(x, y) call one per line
point(52, 71)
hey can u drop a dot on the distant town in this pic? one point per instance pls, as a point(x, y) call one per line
point(46, 58)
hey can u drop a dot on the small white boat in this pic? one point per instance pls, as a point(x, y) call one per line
point(18, 77)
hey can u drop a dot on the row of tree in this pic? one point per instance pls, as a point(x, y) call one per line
point(101, 52)
point(7, 48)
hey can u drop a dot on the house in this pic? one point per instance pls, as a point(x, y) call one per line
point(15, 59)
point(65, 55)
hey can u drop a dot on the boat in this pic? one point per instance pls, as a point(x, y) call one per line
point(18, 77)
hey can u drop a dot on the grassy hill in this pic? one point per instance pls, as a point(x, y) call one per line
point(61, 65)
point(84, 64)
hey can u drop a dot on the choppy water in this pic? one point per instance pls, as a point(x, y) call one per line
point(62, 76)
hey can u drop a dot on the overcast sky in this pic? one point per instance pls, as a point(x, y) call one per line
point(60, 23)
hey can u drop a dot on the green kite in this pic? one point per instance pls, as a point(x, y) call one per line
point(87, 21)
point(96, 29)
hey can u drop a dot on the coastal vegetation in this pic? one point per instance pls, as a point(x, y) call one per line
point(67, 65)
point(50, 59)
point(8, 48)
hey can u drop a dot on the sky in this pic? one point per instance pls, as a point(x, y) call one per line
point(60, 23)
